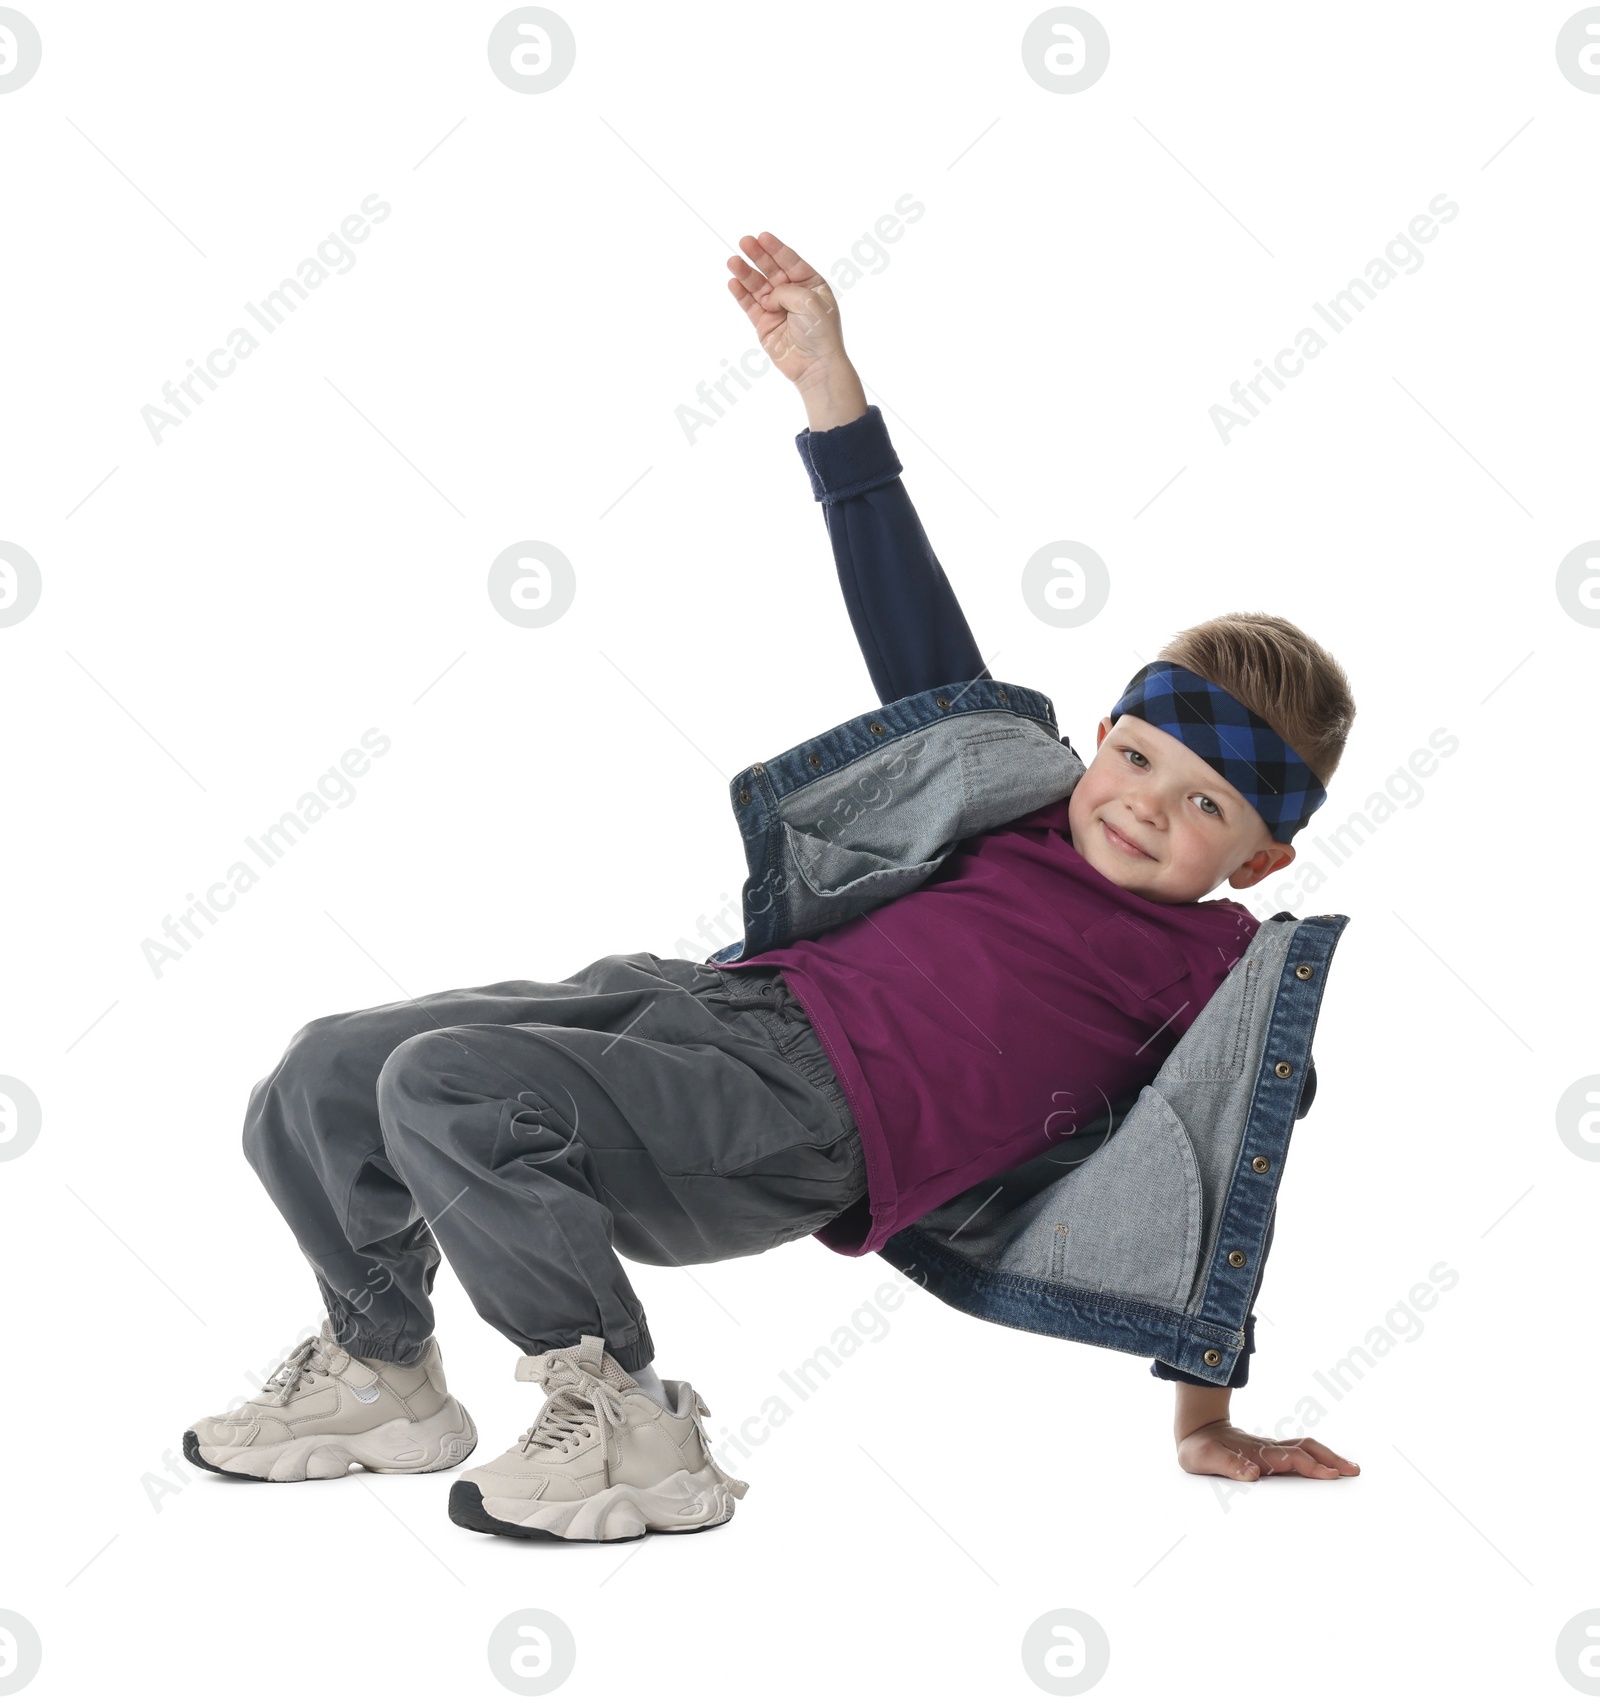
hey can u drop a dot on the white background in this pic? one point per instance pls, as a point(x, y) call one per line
point(306, 558)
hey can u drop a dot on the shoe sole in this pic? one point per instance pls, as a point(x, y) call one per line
point(685, 1502)
point(444, 1441)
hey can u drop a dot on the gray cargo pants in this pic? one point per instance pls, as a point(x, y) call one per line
point(668, 1111)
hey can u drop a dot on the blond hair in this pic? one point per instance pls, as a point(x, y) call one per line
point(1280, 672)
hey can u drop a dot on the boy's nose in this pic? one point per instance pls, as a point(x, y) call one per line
point(1147, 807)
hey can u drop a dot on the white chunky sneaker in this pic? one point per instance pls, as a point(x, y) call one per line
point(323, 1410)
point(602, 1461)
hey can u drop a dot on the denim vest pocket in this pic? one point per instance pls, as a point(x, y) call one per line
point(1010, 771)
point(833, 872)
point(1128, 1220)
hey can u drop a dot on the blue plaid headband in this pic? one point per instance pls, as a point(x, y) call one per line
point(1258, 762)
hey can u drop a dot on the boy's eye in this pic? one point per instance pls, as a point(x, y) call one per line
point(1207, 804)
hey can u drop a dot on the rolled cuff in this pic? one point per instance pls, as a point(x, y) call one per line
point(845, 461)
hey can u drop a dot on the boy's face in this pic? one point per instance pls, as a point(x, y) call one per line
point(1156, 819)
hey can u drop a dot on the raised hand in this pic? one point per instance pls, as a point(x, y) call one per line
point(791, 307)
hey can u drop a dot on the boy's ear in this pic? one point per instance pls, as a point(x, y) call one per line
point(1102, 732)
point(1275, 855)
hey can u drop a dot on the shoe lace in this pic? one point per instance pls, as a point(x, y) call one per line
point(310, 1356)
point(576, 1402)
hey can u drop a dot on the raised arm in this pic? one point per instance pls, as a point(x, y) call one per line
point(907, 622)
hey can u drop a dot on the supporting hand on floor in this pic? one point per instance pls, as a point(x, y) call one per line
point(1209, 1443)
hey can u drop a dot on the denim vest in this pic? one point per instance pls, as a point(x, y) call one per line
point(1152, 1243)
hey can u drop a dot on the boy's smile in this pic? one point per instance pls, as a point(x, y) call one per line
point(1155, 818)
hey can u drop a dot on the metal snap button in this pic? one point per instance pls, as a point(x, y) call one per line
point(744, 796)
point(1003, 698)
point(1211, 1358)
point(1284, 1069)
point(1302, 972)
point(943, 704)
point(758, 769)
point(814, 761)
point(876, 727)
point(1260, 1164)
point(766, 988)
point(1235, 1257)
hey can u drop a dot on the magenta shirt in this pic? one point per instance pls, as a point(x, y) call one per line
point(980, 1019)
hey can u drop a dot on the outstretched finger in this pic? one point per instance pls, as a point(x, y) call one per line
point(742, 294)
point(752, 285)
point(1290, 1459)
point(757, 270)
point(770, 292)
point(795, 269)
point(762, 323)
point(1328, 1457)
point(760, 300)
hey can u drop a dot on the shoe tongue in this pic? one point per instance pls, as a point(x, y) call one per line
point(589, 1354)
point(603, 1365)
point(594, 1358)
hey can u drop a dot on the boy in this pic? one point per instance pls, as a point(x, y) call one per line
point(678, 1112)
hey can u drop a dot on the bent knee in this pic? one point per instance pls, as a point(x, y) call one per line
point(300, 1079)
point(425, 1086)
point(326, 1051)
point(327, 1066)
point(422, 1067)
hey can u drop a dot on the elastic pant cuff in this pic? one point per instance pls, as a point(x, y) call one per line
point(631, 1356)
point(399, 1352)
point(640, 1353)
point(397, 1355)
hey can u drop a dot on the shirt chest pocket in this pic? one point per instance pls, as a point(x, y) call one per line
point(1138, 957)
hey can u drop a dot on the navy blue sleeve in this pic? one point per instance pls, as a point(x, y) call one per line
point(908, 624)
